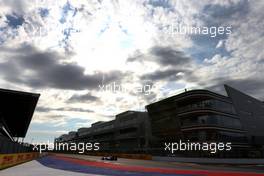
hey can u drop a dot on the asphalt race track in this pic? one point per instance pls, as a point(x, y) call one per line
point(79, 165)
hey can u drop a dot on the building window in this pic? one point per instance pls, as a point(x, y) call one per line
point(232, 137)
point(213, 119)
point(209, 104)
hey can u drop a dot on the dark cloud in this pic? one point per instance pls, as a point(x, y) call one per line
point(164, 56)
point(55, 117)
point(160, 3)
point(47, 70)
point(43, 109)
point(138, 56)
point(47, 109)
point(167, 56)
point(83, 98)
point(215, 14)
point(74, 109)
point(174, 64)
point(171, 74)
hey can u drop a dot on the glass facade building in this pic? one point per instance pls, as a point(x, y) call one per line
point(202, 116)
point(192, 116)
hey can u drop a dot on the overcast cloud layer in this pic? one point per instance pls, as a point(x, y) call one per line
point(67, 50)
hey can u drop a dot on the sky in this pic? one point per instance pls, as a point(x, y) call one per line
point(93, 59)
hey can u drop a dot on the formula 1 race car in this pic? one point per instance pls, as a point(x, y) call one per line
point(109, 158)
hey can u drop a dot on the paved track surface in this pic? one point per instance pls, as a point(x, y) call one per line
point(173, 165)
point(34, 168)
point(79, 165)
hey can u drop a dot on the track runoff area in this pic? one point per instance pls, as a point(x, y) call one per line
point(79, 165)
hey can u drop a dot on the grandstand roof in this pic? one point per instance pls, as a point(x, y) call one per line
point(16, 110)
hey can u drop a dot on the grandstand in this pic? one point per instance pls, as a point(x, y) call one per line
point(16, 111)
